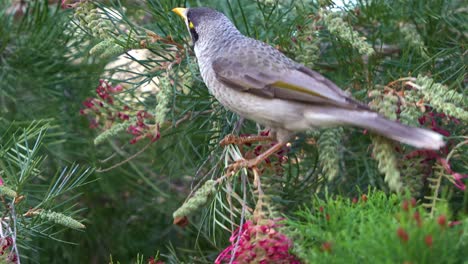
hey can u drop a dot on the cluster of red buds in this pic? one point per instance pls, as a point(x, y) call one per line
point(105, 91)
point(102, 110)
point(430, 156)
point(355, 200)
point(142, 130)
point(258, 243)
point(105, 111)
point(152, 260)
point(409, 209)
point(431, 119)
point(6, 243)
point(322, 211)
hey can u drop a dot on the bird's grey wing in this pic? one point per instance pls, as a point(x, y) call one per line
point(296, 83)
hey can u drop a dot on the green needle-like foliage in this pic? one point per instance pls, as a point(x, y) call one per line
point(375, 228)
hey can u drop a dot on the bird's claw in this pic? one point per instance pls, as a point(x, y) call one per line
point(231, 139)
point(240, 164)
point(228, 139)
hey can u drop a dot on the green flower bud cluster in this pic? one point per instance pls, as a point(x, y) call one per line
point(413, 38)
point(113, 130)
point(329, 144)
point(60, 218)
point(387, 163)
point(163, 99)
point(386, 104)
point(107, 48)
point(414, 174)
point(410, 112)
point(441, 98)
point(383, 153)
point(199, 199)
point(7, 192)
point(337, 26)
point(92, 20)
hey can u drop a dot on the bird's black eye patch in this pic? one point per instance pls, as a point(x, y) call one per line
point(191, 25)
point(192, 30)
point(194, 35)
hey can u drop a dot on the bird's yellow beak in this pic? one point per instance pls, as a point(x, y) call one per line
point(180, 11)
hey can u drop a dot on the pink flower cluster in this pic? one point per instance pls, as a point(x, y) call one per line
point(258, 243)
point(430, 118)
point(143, 130)
point(411, 213)
point(431, 156)
point(5, 244)
point(104, 111)
point(105, 91)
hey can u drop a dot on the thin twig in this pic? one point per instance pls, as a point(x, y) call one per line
point(126, 160)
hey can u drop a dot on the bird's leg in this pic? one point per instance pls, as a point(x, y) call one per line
point(250, 163)
point(231, 139)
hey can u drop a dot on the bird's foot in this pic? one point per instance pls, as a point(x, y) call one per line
point(231, 139)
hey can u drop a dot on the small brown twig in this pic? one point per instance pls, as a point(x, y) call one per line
point(126, 160)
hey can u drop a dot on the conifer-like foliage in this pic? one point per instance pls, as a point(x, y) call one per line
point(109, 93)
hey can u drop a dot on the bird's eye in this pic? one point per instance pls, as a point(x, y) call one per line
point(190, 24)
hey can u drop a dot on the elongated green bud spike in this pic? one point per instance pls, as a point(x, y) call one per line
point(199, 199)
point(7, 192)
point(61, 219)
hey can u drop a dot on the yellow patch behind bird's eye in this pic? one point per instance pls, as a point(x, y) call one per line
point(190, 24)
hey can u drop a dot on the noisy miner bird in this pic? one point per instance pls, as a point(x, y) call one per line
point(258, 82)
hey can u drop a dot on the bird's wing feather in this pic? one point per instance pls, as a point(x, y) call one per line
point(297, 84)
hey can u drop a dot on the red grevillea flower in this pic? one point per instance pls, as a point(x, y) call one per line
point(431, 120)
point(141, 130)
point(428, 240)
point(402, 234)
point(258, 243)
point(442, 220)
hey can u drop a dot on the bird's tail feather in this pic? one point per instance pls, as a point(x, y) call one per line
point(417, 137)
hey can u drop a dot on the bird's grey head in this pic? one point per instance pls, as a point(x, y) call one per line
point(206, 24)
